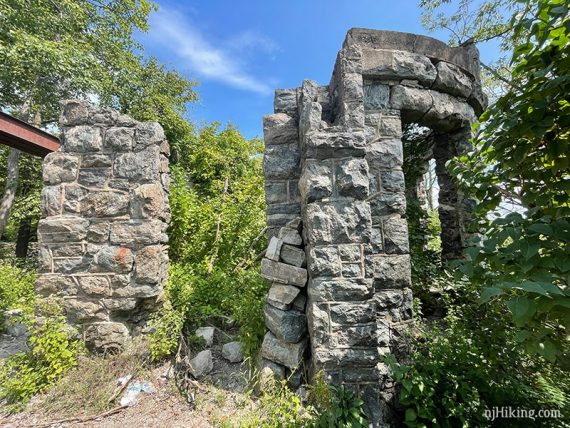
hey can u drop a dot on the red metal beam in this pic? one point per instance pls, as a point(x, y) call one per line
point(25, 137)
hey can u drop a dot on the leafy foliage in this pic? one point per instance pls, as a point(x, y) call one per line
point(522, 157)
point(470, 362)
point(16, 288)
point(53, 351)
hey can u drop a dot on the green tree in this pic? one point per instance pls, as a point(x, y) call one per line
point(522, 156)
point(53, 50)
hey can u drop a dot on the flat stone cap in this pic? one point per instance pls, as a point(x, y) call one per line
point(465, 57)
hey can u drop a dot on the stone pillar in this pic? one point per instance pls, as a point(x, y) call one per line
point(344, 140)
point(102, 236)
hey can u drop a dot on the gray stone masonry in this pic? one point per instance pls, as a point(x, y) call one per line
point(334, 158)
point(102, 236)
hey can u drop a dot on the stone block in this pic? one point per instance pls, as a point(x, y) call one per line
point(283, 273)
point(276, 192)
point(299, 303)
point(339, 222)
point(352, 178)
point(288, 326)
point(395, 231)
point(149, 264)
point(119, 139)
point(59, 167)
point(353, 313)
point(149, 133)
point(351, 143)
point(94, 177)
point(280, 128)
point(83, 310)
point(67, 250)
point(293, 255)
point(388, 203)
point(103, 203)
point(81, 139)
point(285, 101)
point(143, 166)
point(149, 201)
point(324, 261)
point(202, 364)
point(135, 232)
point(287, 354)
point(290, 236)
point(274, 249)
point(316, 180)
point(51, 200)
point(392, 181)
point(385, 154)
point(310, 118)
point(388, 299)
point(98, 231)
point(62, 229)
point(354, 336)
point(233, 352)
point(113, 259)
point(282, 296)
point(352, 270)
point(396, 65)
point(49, 285)
point(276, 370)
point(106, 337)
point(391, 271)
point(340, 289)
point(96, 160)
point(324, 356)
point(74, 112)
point(350, 253)
point(376, 97)
point(281, 161)
point(450, 79)
point(94, 285)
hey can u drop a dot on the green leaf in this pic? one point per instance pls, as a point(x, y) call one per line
point(522, 309)
point(410, 415)
point(488, 293)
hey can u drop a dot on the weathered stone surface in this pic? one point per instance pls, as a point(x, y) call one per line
point(392, 181)
point(353, 313)
point(82, 139)
point(74, 112)
point(62, 229)
point(293, 255)
point(148, 264)
point(281, 161)
point(340, 289)
point(344, 143)
point(149, 201)
point(83, 310)
point(310, 118)
point(288, 326)
point(94, 177)
point(60, 167)
point(392, 271)
point(145, 233)
point(233, 352)
point(206, 333)
point(324, 261)
point(343, 221)
point(113, 259)
point(282, 296)
point(287, 354)
point(376, 97)
point(395, 231)
point(48, 285)
point(119, 139)
point(283, 273)
point(299, 303)
point(51, 200)
point(106, 337)
point(285, 101)
point(388, 203)
point(350, 253)
point(274, 249)
point(290, 236)
point(316, 181)
point(143, 166)
point(149, 133)
point(201, 364)
point(94, 285)
point(452, 80)
point(103, 203)
point(395, 64)
point(352, 178)
point(96, 160)
point(276, 192)
point(385, 154)
point(280, 128)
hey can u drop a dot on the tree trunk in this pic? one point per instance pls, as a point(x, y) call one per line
point(11, 188)
point(23, 239)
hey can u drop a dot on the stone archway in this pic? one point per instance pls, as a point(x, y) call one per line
point(334, 159)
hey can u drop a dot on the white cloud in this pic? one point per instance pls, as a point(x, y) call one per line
point(201, 56)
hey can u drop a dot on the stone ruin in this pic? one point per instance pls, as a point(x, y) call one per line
point(335, 192)
point(102, 236)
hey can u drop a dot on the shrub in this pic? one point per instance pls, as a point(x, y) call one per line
point(53, 351)
point(16, 287)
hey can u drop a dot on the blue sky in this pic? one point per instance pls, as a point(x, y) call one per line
point(240, 51)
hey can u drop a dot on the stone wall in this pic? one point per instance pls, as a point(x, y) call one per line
point(334, 157)
point(102, 236)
